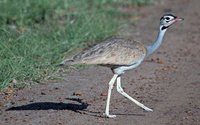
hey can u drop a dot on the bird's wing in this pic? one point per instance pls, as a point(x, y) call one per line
point(115, 51)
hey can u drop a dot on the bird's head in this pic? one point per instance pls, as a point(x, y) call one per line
point(167, 20)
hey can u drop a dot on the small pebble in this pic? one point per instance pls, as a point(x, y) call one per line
point(104, 94)
point(77, 93)
point(56, 88)
point(42, 93)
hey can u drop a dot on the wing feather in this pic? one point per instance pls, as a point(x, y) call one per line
point(114, 51)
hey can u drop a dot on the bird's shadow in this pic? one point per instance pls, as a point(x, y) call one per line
point(81, 107)
point(53, 106)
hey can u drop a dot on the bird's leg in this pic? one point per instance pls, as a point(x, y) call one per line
point(111, 83)
point(121, 91)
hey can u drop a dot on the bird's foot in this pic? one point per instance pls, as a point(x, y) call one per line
point(108, 115)
point(147, 109)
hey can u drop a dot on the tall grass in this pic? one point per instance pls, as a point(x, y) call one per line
point(36, 34)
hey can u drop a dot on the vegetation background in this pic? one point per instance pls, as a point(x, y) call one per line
point(35, 35)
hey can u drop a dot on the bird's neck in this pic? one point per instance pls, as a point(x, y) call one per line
point(152, 48)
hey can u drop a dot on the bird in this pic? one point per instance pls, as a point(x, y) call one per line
point(121, 54)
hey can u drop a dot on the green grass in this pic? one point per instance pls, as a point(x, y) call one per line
point(35, 35)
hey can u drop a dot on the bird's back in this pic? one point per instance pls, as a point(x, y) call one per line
point(113, 51)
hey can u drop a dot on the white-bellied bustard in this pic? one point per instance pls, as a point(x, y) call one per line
point(121, 54)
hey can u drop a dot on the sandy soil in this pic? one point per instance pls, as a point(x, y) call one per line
point(168, 82)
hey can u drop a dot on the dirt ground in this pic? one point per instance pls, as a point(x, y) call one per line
point(168, 81)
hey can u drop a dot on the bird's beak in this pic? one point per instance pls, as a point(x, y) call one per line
point(178, 19)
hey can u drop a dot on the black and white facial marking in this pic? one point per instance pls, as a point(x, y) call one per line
point(167, 20)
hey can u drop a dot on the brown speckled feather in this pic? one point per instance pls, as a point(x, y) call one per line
point(113, 51)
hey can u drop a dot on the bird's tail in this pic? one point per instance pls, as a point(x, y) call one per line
point(67, 62)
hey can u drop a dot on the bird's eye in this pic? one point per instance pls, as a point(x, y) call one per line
point(167, 18)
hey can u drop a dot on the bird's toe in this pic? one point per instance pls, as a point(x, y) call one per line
point(148, 109)
point(109, 116)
